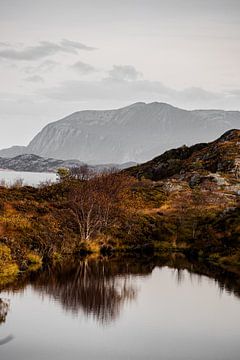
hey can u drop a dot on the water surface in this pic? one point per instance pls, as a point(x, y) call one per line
point(121, 310)
point(28, 178)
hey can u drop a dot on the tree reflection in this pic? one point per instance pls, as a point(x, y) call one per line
point(91, 287)
point(4, 307)
point(101, 288)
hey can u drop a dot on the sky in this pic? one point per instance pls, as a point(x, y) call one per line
point(62, 56)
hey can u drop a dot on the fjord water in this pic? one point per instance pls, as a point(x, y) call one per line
point(121, 310)
point(28, 178)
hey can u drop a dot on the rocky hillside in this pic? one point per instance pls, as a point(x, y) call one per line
point(134, 133)
point(34, 163)
point(221, 156)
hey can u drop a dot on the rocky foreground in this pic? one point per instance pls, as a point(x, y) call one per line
point(217, 162)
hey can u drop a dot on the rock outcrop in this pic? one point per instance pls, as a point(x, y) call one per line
point(221, 156)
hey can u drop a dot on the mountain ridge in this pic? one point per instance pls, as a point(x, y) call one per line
point(137, 132)
point(35, 163)
point(219, 156)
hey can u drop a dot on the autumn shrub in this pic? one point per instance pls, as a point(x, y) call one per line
point(33, 258)
point(8, 267)
point(15, 221)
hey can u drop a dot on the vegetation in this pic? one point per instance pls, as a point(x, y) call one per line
point(194, 211)
point(8, 268)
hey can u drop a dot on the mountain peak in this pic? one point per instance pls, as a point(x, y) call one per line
point(137, 132)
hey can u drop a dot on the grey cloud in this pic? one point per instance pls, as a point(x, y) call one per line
point(45, 66)
point(4, 44)
point(196, 93)
point(124, 72)
point(138, 90)
point(34, 79)
point(42, 50)
point(235, 92)
point(83, 68)
point(76, 45)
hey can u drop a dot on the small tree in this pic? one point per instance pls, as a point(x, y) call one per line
point(98, 202)
point(83, 172)
point(62, 174)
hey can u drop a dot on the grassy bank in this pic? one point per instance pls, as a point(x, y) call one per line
point(116, 215)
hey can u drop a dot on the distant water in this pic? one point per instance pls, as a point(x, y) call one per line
point(29, 178)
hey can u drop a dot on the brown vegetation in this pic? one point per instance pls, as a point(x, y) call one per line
point(196, 212)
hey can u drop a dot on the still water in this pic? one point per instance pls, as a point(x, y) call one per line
point(28, 178)
point(121, 310)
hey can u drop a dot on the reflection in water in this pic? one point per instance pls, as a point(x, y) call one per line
point(4, 307)
point(90, 287)
point(6, 340)
point(227, 279)
point(100, 288)
point(178, 315)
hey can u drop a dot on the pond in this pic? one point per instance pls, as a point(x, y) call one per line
point(127, 309)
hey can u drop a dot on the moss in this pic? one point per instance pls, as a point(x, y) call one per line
point(8, 268)
point(230, 260)
point(34, 259)
point(56, 257)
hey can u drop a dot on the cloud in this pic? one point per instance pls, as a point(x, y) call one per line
point(124, 72)
point(83, 68)
point(4, 44)
point(111, 89)
point(77, 45)
point(43, 67)
point(34, 79)
point(235, 92)
point(43, 49)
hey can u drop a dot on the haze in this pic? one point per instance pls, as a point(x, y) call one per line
point(57, 57)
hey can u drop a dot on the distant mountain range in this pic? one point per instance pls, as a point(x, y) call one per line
point(134, 133)
point(35, 163)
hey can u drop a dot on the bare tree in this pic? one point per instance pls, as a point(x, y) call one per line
point(97, 203)
point(83, 172)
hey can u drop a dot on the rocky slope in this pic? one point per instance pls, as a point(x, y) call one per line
point(34, 163)
point(135, 133)
point(221, 156)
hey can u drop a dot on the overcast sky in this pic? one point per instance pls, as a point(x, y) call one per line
point(61, 56)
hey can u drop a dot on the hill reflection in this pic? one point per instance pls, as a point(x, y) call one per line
point(100, 288)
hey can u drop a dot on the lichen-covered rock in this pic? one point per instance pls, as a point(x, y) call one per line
point(220, 156)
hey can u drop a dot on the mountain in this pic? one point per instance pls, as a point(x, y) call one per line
point(220, 156)
point(13, 151)
point(35, 163)
point(134, 133)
